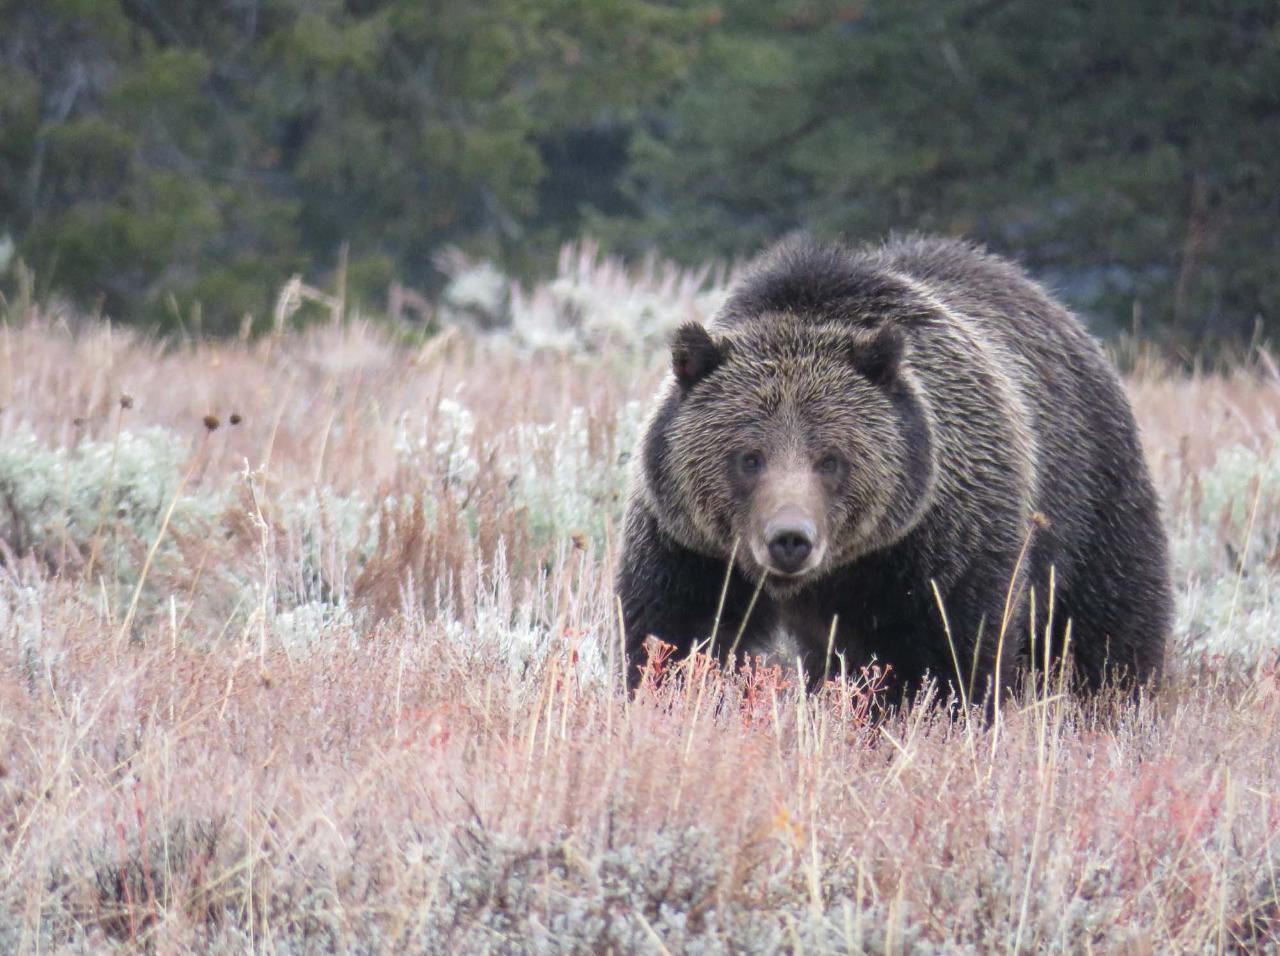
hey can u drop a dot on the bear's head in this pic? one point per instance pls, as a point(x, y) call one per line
point(804, 442)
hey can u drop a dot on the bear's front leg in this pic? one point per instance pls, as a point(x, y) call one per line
point(672, 593)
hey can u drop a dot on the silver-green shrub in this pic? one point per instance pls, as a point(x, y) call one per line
point(1226, 559)
point(59, 504)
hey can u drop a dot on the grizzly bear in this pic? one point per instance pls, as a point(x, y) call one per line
point(906, 454)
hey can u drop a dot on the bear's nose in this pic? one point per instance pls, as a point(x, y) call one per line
point(790, 544)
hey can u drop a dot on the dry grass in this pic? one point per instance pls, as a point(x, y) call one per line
point(403, 731)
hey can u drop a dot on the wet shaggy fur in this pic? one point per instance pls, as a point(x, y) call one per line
point(990, 459)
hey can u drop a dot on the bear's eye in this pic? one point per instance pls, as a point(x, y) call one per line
point(751, 462)
point(830, 465)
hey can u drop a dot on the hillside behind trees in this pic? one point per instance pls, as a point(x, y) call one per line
point(159, 157)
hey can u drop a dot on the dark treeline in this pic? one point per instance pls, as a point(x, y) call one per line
point(156, 155)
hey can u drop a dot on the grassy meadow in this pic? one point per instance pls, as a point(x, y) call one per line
point(307, 645)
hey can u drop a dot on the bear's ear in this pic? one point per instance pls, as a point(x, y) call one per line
point(878, 357)
point(694, 354)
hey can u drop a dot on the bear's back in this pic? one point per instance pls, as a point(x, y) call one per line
point(994, 294)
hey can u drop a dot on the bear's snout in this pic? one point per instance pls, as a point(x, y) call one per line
point(790, 536)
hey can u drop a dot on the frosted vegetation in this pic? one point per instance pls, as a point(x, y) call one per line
point(593, 303)
point(343, 675)
point(1227, 552)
